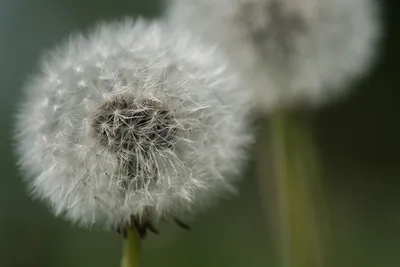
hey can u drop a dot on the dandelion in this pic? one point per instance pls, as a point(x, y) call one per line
point(132, 123)
point(290, 52)
point(294, 54)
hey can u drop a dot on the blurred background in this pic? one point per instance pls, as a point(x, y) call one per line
point(358, 141)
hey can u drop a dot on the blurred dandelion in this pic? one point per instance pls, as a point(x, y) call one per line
point(295, 55)
point(290, 51)
point(133, 123)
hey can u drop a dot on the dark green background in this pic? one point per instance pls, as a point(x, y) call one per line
point(359, 148)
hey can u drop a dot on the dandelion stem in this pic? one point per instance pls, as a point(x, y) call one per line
point(132, 249)
point(298, 190)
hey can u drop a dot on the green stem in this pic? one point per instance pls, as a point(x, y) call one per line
point(132, 249)
point(299, 193)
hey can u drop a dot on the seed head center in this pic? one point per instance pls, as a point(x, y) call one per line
point(127, 125)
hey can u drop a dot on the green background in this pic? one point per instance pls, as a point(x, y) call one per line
point(359, 149)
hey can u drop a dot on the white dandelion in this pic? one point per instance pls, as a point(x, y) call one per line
point(290, 51)
point(135, 120)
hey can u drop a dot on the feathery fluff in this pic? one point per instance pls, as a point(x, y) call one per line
point(290, 51)
point(134, 119)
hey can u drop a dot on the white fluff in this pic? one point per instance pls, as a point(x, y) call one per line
point(290, 51)
point(172, 140)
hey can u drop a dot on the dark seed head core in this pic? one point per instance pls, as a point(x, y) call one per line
point(273, 28)
point(129, 126)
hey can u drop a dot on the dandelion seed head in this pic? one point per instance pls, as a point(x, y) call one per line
point(133, 118)
point(290, 52)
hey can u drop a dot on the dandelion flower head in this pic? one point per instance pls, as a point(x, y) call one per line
point(132, 119)
point(290, 51)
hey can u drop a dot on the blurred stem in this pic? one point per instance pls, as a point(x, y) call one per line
point(298, 192)
point(132, 249)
